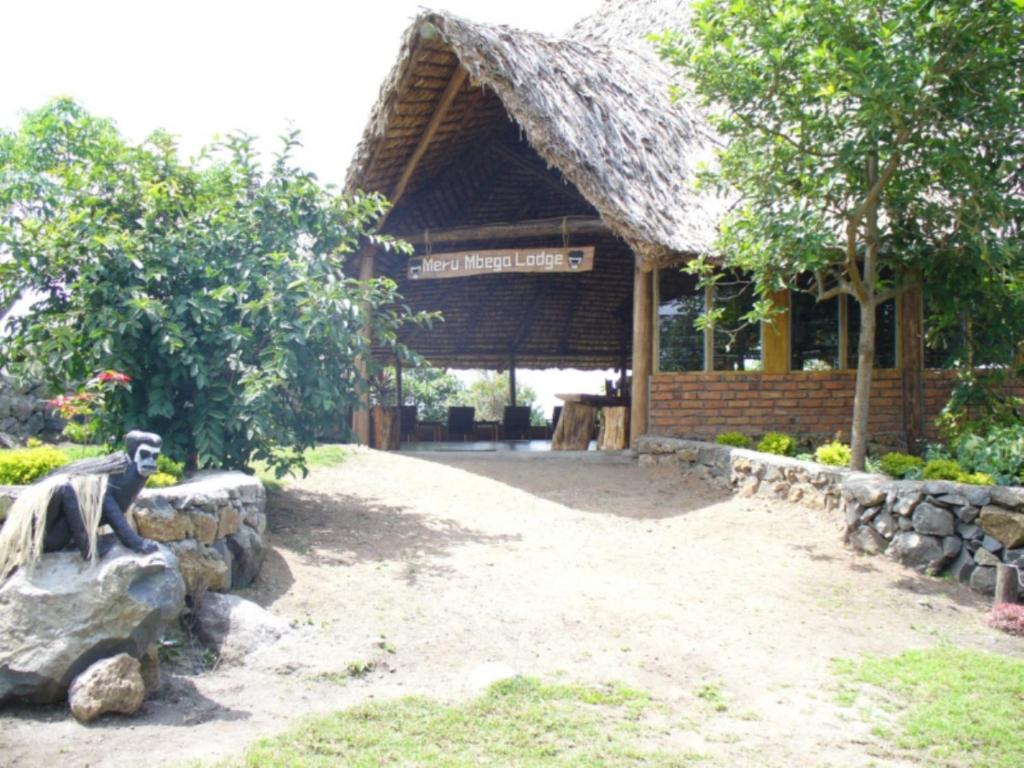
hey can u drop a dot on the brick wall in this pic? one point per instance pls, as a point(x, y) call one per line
point(812, 404)
point(809, 404)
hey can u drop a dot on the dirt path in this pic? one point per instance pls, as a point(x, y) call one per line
point(474, 566)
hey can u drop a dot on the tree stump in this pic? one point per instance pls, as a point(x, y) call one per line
point(575, 428)
point(614, 429)
point(1007, 584)
point(384, 434)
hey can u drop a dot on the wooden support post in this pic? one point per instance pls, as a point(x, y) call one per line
point(1007, 584)
point(776, 336)
point(911, 346)
point(643, 341)
point(361, 415)
point(399, 397)
point(512, 380)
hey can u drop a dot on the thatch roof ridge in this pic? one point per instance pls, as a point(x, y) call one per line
point(598, 113)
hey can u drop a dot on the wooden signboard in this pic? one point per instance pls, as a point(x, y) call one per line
point(439, 266)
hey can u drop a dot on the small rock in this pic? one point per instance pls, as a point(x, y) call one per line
point(984, 580)
point(984, 557)
point(1010, 498)
point(867, 493)
point(967, 513)
point(952, 500)
point(688, 455)
point(885, 524)
point(934, 521)
point(977, 496)
point(149, 668)
point(750, 487)
point(854, 510)
point(1014, 557)
point(867, 539)
point(201, 567)
point(991, 545)
point(159, 521)
point(939, 487)
point(204, 526)
point(924, 553)
point(905, 523)
point(248, 554)
point(963, 566)
point(229, 520)
point(235, 627)
point(905, 505)
point(111, 685)
point(951, 547)
point(969, 531)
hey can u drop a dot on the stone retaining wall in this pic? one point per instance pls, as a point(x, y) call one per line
point(23, 411)
point(933, 526)
point(213, 522)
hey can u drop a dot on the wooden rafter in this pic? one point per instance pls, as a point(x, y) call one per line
point(572, 225)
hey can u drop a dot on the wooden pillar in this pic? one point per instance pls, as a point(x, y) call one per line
point(512, 380)
point(776, 336)
point(643, 346)
point(361, 415)
point(911, 346)
point(623, 361)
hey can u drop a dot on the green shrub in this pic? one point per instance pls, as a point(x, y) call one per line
point(735, 439)
point(834, 454)
point(778, 443)
point(26, 465)
point(161, 480)
point(977, 478)
point(902, 465)
point(942, 469)
point(168, 466)
point(999, 452)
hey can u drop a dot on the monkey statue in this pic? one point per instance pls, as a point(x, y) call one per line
point(68, 506)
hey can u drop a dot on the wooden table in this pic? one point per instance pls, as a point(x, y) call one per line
point(575, 428)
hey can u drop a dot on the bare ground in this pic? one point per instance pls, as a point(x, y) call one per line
point(451, 569)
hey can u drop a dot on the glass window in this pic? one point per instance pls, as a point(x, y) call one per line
point(814, 333)
point(737, 345)
point(885, 333)
point(680, 303)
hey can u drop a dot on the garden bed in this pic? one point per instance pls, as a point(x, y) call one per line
point(934, 526)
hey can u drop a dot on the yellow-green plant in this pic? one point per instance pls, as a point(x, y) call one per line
point(161, 480)
point(26, 465)
point(834, 454)
point(778, 443)
point(902, 465)
point(735, 439)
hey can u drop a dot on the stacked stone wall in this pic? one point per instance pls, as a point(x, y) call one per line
point(932, 526)
point(23, 411)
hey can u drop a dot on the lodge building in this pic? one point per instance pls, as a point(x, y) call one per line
point(492, 142)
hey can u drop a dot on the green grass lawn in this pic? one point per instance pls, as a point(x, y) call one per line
point(520, 721)
point(952, 706)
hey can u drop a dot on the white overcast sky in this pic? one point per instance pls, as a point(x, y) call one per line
point(198, 69)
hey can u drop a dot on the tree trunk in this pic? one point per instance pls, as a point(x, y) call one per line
point(862, 392)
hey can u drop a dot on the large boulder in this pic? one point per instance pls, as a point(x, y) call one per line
point(113, 685)
point(925, 553)
point(1005, 526)
point(59, 618)
point(248, 554)
point(235, 627)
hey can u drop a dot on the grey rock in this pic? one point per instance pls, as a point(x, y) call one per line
point(236, 628)
point(687, 454)
point(923, 553)
point(854, 510)
point(991, 545)
point(868, 493)
point(1011, 498)
point(1014, 557)
point(967, 513)
point(248, 555)
point(977, 496)
point(1004, 525)
point(984, 580)
point(870, 513)
point(201, 567)
point(885, 524)
point(64, 615)
point(905, 523)
point(867, 539)
point(984, 557)
point(222, 549)
point(969, 531)
point(7, 441)
point(905, 504)
point(113, 685)
point(939, 487)
point(933, 521)
point(963, 566)
point(149, 668)
point(950, 500)
point(951, 547)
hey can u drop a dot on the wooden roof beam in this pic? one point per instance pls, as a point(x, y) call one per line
point(571, 225)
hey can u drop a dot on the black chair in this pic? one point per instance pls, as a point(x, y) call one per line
point(516, 424)
point(409, 416)
point(460, 422)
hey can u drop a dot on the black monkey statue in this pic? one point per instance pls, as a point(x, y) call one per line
point(67, 507)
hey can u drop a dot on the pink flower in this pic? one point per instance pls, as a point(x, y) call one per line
point(115, 376)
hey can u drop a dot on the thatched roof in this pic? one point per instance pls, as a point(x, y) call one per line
point(593, 105)
point(480, 124)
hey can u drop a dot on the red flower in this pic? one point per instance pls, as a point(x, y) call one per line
point(115, 376)
point(59, 401)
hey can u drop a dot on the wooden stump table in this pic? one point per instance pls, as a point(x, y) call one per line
point(614, 428)
point(575, 428)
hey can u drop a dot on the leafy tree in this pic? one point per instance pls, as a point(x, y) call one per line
point(490, 394)
point(875, 145)
point(432, 390)
point(219, 288)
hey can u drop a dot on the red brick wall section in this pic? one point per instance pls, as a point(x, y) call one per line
point(810, 404)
